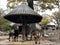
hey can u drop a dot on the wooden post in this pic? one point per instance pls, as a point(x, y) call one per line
point(23, 32)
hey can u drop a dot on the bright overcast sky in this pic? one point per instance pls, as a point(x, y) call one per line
point(3, 4)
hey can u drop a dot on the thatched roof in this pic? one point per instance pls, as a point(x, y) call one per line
point(23, 14)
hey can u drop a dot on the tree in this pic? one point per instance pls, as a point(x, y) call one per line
point(50, 1)
point(30, 3)
point(45, 20)
point(57, 17)
point(1, 12)
point(13, 3)
point(4, 24)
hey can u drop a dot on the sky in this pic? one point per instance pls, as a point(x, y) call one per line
point(3, 4)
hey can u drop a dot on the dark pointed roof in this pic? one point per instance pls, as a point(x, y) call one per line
point(23, 14)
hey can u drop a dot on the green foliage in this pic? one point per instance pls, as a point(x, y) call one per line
point(50, 7)
point(50, 1)
point(4, 24)
point(57, 17)
point(12, 3)
point(11, 0)
point(45, 20)
point(43, 6)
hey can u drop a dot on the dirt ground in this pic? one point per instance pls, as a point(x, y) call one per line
point(4, 41)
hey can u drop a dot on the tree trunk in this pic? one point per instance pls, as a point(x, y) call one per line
point(30, 3)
